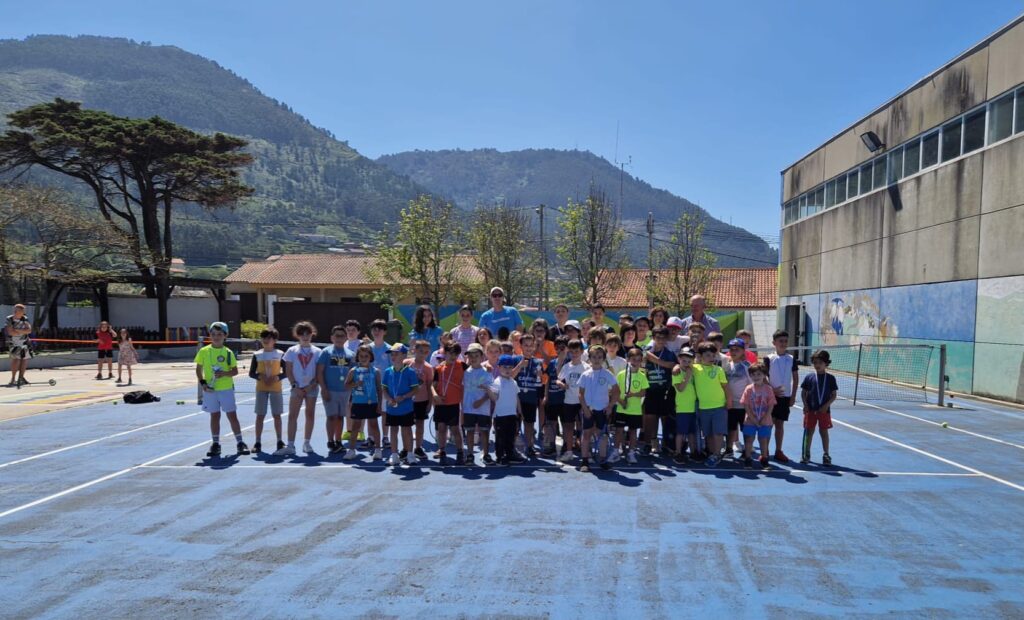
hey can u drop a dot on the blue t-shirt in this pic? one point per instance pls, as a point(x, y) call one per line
point(381, 359)
point(508, 318)
point(659, 378)
point(398, 382)
point(365, 390)
point(530, 381)
point(556, 395)
point(430, 334)
point(336, 362)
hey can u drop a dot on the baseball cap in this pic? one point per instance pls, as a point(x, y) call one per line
point(674, 321)
point(738, 342)
point(474, 347)
point(508, 360)
point(219, 326)
point(573, 323)
point(687, 352)
point(398, 347)
point(498, 289)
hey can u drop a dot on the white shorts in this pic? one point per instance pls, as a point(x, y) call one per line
point(274, 399)
point(217, 401)
point(338, 405)
point(312, 391)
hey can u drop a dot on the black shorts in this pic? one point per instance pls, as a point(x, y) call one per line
point(628, 420)
point(570, 413)
point(781, 410)
point(446, 414)
point(421, 409)
point(553, 413)
point(364, 411)
point(736, 419)
point(105, 353)
point(529, 412)
point(657, 403)
point(598, 419)
point(404, 420)
point(471, 420)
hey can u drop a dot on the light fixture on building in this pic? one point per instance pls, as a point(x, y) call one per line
point(872, 141)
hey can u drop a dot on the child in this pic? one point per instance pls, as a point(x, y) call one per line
point(553, 402)
point(126, 355)
point(736, 373)
point(568, 380)
point(364, 383)
point(595, 336)
point(818, 392)
point(696, 334)
point(421, 401)
point(676, 339)
point(561, 318)
point(544, 347)
point(713, 400)
point(748, 343)
point(572, 331)
point(268, 371)
point(447, 395)
point(18, 329)
point(381, 361)
point(424, 327)
point(400, 386)
point(658, 317)
point(465, 332)
point(352, 344)
point(300, 365)
point(783, 377)
point(643, 328)
point(718, 339)
point(758, 399)
point(515, 339)
point(628, 335)
point(629, 414)
point(613, 346)
point(598, 389)
point(483, 336)
point(332, 366)
point(657, 404)
point(104, 350)
point(686, 407)
point(493, 351)
point(504, 393)
point(476, 407)
point(438, 356)
point(530, 380)
point(215, 367)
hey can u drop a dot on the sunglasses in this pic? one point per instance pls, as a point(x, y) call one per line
point(496, 295)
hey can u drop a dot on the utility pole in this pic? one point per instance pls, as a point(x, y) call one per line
point(544, 259)
point(650, 259)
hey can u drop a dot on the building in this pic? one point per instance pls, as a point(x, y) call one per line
point(907, 226)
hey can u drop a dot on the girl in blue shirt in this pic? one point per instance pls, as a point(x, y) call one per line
point(424, 327)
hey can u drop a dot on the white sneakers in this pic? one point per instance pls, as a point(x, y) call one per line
point(377, 454)
point(307, 448)
point(567, 456)
point(350, 454)
point(614, 456)
point(631, 457)
point(285, 451)
point(393, 460)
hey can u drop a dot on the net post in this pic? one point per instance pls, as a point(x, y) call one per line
point(856, 379)
point(942, 375)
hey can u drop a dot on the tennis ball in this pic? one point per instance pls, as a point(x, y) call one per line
point(945, 425)
point(181, 402)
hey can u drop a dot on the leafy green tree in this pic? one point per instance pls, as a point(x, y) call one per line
point(137, 170)
point(685, 266)
point(504, 250)
point(592, 248)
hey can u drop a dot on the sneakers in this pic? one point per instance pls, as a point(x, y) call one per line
point(393, 460)
point(99, 377)
point(214, 449)
point(764, 462)
point(615, 456)
point(409, 459)
point(805, 459)
point(460, 458)
point(646, 450)
point(242, 448)
point(420, 454)
point(257, 448)
point(631, 457)
point(346, 436)
point(332, 447)
point(748, 463)
point(285, 450)
point(378, 454)
point(469, 459)
point(350, 454)
point(780, 457)
point(567, 456)
point(440, 456)
point(826, 459)
point(385, 443)
point(307, 447)
point(515, 458)
point(680, 459)
point(280, 444)
point(488, 460)
point(606, 466)
point(712, 461)
point(585, 466)
point(531, 453)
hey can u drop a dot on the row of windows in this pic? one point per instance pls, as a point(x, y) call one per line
point(996, 120)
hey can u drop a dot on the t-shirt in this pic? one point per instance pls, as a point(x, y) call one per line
point(381, 358)
point(818, 389)
point(780, 372)
point(436, 358)
point(508, 317)
point(336, 362)
point(364, 392)
point(738, 377)
point(597, 386)
point(637, 381)
point(22, 323)
point(264, 363)
point(710, 324)
point(213, 359)
point(105, 340)
point(556, 395)
point(643, 344)
point(448, 382)
point(761, 400)
point(475, 383)
point(531, 381)
point(425, 375)
point(617, 364)
point(464, 336)
point(397, 382)
point(677, 343)
point(430, 334)
point(570, 374)
point(686, 401)
point(708, 381)
point(508, 396)
point(302, 361)
point(658, 377)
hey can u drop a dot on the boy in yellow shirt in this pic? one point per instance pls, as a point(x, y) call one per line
point(712, 401)
point(215, 367)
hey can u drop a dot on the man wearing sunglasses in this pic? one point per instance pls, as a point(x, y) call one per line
point(501, 317)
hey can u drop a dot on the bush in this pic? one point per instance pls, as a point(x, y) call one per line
point(252, 329)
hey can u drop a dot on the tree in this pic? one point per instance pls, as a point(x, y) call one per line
point(592, 248)
point(685, 266)
point(137, 170)
point(504, 250)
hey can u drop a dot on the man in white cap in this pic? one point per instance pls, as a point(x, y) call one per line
point(501, 317)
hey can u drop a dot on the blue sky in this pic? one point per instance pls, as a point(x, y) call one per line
point(712, 99)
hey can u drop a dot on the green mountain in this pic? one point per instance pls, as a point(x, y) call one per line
point(306, 181)
point(550, 177)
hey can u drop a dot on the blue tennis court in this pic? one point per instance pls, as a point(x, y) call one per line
point(115, 511)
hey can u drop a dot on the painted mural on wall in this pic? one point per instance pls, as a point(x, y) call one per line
point(999, 354)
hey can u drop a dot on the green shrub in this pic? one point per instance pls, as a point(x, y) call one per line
point(252, 329)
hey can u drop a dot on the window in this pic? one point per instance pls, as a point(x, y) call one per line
point(841, 189)
point(896, 165)
point(878, 174)
point(1000, 118)
point(852, 184)
point(974, 131)
point(865, 179)
point(912, 158)
point(930, 150)
point(804, 211)
point(1019, 112)
point(818, 198)
point(830, 194)
point(951, 140)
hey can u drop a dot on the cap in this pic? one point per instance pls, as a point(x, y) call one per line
point(219, 326)
point(474, 347)
point(738, 342)
point(674, 321)
point(509, 360)
point(498, 289)
point(573, 323)
point(398, 347)
point(687, 352)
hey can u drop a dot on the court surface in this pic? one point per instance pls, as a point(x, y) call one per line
point(114, 511)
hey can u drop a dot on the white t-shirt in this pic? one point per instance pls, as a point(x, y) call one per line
point(597, 385)
point(464, 337)
point(508, 395)
point(617, 364)
point(677, 344)
point(475, 382)
point(571, 374)
point(780, 372)
point(303, 363)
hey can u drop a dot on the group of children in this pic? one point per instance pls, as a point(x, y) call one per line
point(127, 357)
point(604, 395)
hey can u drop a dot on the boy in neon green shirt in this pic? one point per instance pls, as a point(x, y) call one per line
point(686, 406)
point(629, 413)
point(215, 367)
point(709, 381)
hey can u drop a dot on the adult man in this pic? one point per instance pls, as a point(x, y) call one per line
point(500, 317)
point(18, 328)
point(697, 305)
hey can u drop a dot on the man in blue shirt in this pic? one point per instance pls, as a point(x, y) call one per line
point(697, 305)
point(501, 317)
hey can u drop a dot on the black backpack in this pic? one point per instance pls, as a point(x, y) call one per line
point(140, 397)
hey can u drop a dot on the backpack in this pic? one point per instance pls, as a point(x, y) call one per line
point(140, 397)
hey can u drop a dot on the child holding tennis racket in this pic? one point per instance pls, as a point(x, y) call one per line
point(758, 399)
point(598, 389)
point(818, 392)
point(629, 416)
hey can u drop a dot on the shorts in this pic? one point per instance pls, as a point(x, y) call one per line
point(658, 404)
point(554, 412)
point(529, 412)
point(712, 421)
point(364, 411)
point(20, 352)
point(219, 400)
point(598, 418)
point(275, 400)
point(421, 410)
point(780, 412)
point(104, 354)
point(686, 423)
point(405, 420)
point(470, 420)
point(736, 419)
point(628, 420)
point(312, 391)
point(446, 414)
point(335, 408)
point(820, 418)
point(762, 432)
point(570, 413)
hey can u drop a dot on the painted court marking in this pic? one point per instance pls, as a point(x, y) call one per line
point(949, 428)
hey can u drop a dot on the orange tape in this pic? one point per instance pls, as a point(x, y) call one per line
point(134, 342)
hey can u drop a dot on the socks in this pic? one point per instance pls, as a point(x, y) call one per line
point(238, 438)
point(216, 438)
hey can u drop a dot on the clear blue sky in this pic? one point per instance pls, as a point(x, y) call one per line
point(713, 99)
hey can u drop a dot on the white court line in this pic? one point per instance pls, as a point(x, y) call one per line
point(99, 439)
point(949, 428)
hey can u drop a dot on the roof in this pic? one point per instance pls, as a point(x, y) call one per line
point(324, 269)
point(741, 288)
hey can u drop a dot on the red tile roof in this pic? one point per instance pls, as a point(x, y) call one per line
point(739, 288)
point(327, 269)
